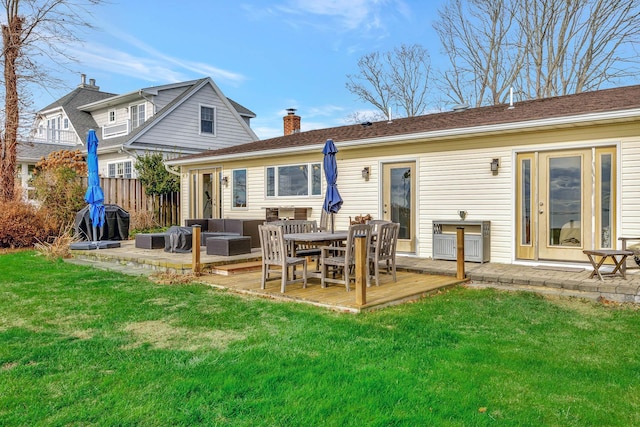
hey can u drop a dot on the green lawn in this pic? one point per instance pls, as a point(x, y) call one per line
point(79, 346)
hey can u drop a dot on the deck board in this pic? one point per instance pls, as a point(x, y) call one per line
point(409, 286)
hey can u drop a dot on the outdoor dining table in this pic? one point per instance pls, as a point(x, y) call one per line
point(319, 238)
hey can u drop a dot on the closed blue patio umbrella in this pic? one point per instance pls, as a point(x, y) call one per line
point(94, 195)
point(332, 199)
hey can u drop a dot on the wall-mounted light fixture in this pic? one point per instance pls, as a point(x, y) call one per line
point(225, 180)
point(495, 165)
point(366, 171)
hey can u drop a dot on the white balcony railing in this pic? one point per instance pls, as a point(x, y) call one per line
point(111, 131)
point(55, 136)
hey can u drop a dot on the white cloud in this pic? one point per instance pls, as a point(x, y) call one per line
point(148, 63)
point(113, 61)
point(364, 16)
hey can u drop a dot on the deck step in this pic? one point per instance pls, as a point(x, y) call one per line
point(237, 268)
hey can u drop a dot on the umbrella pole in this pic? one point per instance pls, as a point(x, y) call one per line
point(95, 234)
point(332, 223)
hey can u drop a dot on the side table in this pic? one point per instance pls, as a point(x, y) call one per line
point(604, 254)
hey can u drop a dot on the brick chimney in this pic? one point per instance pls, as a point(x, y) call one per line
point(291, 122)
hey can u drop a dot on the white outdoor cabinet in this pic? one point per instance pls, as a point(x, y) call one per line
point(477, 240)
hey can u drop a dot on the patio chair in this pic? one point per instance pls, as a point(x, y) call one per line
point(274, 254)
point(375, 224)
point(324, 220)
point(635, 248)
point(301, 226)
point(342, 258)
point(385, 250)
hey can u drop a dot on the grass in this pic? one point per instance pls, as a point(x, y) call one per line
point(80, 346)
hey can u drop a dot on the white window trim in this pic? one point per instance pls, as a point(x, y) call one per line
point(137, 105)
point(215, 120)
point(276, 178)
point(116, 163)
point(115, 115)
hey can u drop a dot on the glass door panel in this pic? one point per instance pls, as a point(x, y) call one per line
point(565, 205)
point(399, 201)
point(605, 198)
point(526, 203)
point(205, 194)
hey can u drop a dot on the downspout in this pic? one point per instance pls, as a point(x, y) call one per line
point(124, 150)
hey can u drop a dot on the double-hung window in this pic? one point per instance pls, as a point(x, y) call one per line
point(294, 180)
point(138, 115)
point(207, 120)
point(120, 169)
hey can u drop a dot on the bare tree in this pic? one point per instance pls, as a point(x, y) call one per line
point(543, 47)
point(359, 117)
point(577, 45)
point(399, 78)
point(483, 47)
point(33, 32)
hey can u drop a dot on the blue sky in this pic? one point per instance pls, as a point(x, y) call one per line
point(265, 55)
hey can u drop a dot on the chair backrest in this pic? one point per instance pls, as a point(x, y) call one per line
point(324, 220)
point(357, 230)
point(272, 244)
point(375, 224)
point(296, 226)
point(386, 240)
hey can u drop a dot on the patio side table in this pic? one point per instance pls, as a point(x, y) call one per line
point(604, 254)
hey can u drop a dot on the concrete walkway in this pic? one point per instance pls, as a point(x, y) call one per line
point(572, 280)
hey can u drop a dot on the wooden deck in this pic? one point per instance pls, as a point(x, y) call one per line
point(409, 287)
point(241, 274)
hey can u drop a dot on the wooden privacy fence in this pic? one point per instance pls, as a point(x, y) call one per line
point(128, 193)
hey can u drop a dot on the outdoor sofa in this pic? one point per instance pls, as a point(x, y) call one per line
point(228, 226)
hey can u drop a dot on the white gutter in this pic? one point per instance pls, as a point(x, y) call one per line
point(141, 93)
point(438, 134)
point(171, 171)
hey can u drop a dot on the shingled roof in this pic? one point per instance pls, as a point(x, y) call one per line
point(33, 152)
point(191, 87)
point(80, 120)
point(602, 101)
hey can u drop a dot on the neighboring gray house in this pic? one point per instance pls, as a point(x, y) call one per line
point(174, 119)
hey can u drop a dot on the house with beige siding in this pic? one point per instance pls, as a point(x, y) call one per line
point(173, 119)
point(536, 181)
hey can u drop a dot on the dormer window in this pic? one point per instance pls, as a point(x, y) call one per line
point(138, 115)
point(112, 116)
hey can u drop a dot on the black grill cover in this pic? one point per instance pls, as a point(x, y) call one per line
point(116, 224)
point(178, 239)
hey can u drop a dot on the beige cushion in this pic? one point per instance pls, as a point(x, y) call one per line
point(635, 248)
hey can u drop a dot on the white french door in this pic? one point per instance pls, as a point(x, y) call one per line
point(565, 203)
point(205, 193)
